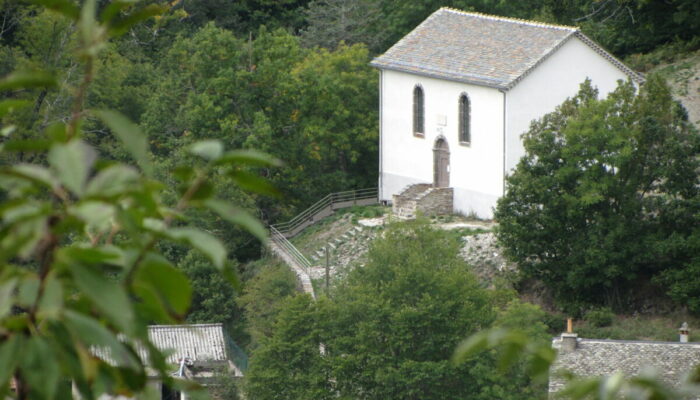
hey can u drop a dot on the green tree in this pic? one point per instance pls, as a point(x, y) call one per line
point(392, 327)
point(288, 364)
point(264, 295)
point(324, 125)
point(604, 193)
point(213, 298)
point(388, 331)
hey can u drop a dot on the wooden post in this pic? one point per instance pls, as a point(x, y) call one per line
point(569, 325)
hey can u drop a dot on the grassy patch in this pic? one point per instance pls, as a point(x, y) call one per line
point(639, 327)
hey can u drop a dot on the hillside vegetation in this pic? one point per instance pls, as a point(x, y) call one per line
point(121, 132)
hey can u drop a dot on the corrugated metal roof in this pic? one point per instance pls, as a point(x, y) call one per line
point(481, 49)
point(198, 342)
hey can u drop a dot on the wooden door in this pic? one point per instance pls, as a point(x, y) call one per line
point(441, 164)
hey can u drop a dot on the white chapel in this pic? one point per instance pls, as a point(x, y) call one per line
point(459, 90)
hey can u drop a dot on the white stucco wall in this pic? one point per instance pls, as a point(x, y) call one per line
point(549, 84)
point(476, 170)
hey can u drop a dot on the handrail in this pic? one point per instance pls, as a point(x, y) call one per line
point(328, 201)
point(289, 248)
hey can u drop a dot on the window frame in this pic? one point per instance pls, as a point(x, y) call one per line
point(418, 111)
point(464, 118)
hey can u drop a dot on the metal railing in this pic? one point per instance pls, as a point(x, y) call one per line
point(324, 208)
point(279, 239)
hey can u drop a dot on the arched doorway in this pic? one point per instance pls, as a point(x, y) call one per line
point(441, 163)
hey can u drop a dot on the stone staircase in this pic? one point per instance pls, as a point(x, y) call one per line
point(423, 198)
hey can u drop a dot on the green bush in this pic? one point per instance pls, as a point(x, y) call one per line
point(600, 317)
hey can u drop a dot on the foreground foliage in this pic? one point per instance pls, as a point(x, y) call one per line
point(607, 197)
point(81, 271)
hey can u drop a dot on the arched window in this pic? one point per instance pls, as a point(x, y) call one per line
point(464, 119)
point(418, 111)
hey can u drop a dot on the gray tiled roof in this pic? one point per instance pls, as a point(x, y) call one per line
point(481, 49)
point(595, 357)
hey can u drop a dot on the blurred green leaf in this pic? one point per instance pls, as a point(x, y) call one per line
point(10, 349)
point(32, 173)
point(203, 191)
point(232, 278)
point(40, 367)
point(474, 344)
point(110, 298)
point(97, 215)
point(8, 130)
point(169, 283)
point(654, 387)
point(108, 254)
point(90, 30)
point(51, 302)
point(114, 8)
point(7, 289)
point(580, 388)
point(610, 386)
point(28, 290)
point(250, 158)
point(207, 149)
point(32, 145)
point(72, 162)
point(209, 245)
point(253, 183)
point(130, 134)
point(113, 181)
point(123, 25)
point(541, 360)
point(27, 80)
point(10, 105)
point(90, 332)
point(509, 353)
point(239, 217)
point(64, 7)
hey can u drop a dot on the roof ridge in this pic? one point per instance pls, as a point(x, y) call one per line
point(510, 19)
point(185, 326)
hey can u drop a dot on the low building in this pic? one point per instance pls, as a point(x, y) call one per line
point(196, 352)
point(672, 361)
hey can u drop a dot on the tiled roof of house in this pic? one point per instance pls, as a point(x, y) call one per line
point(596, 357)
point(481, 49)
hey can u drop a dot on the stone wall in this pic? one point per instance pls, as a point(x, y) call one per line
point(435, 201)
point(423, 198)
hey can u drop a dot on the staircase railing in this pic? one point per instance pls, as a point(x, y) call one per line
point(284, 244)
point(325, 207)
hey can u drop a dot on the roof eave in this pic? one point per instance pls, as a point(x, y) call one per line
point(437, 75)
point(635, 76)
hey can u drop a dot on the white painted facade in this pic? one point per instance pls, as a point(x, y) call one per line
point(476, 169)
point(498, 119)
point(557, 78)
